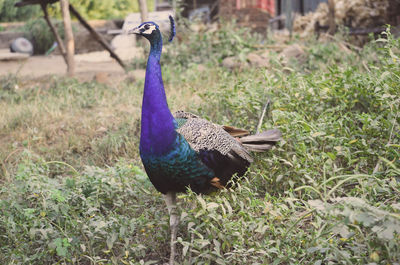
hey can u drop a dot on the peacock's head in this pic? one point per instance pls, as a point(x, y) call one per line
point(151, 31)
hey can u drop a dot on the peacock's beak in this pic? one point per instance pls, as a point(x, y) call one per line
point(134, 31)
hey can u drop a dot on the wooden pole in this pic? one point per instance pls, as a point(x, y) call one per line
point(289, 16)
point(60, 43)
point(331, 17)
point(69, 37)
point(96, 35)
point(143, 10)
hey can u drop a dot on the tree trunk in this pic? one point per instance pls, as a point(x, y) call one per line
point(69, 37)
point(143, 10)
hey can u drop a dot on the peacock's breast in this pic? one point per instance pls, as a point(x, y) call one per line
point(177, 169)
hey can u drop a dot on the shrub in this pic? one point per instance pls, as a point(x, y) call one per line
point(207, 45)
point(39, 33)
point(8, 12)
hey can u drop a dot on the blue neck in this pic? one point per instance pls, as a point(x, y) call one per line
point(158, 125)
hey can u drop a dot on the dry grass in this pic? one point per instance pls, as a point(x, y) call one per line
point(80, 123)
point(66, 120)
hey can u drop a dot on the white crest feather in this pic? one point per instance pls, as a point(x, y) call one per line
point(149, 30)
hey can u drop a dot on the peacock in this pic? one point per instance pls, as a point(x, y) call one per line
point(181, 150)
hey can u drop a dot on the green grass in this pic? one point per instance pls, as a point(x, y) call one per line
point(73, 190)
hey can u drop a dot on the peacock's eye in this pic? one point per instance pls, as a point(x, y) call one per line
point(146, 27)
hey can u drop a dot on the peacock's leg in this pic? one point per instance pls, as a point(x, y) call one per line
point(170, 200)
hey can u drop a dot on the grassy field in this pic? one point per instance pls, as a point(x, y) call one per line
point(73, 191)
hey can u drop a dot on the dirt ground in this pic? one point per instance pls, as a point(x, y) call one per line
point(39, 66)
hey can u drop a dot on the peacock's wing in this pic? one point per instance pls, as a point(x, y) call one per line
point(182, 116)
point(217, 149)
point(259, 142)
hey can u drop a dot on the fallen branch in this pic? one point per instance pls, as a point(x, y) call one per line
point(262, 116)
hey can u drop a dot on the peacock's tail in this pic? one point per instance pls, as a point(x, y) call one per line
point(261, 142)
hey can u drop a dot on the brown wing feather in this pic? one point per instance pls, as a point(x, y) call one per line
point(235, 132)
point(204, 135)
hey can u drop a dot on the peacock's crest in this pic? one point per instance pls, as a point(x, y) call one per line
point(173, 29)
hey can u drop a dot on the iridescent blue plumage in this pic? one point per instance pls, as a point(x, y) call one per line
point(177, 169)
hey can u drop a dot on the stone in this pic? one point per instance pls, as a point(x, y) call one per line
point(21, 45)
point(256, 60)
point(101, 77)
point(101, 130)
point(294, 51)
point(231, 62)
